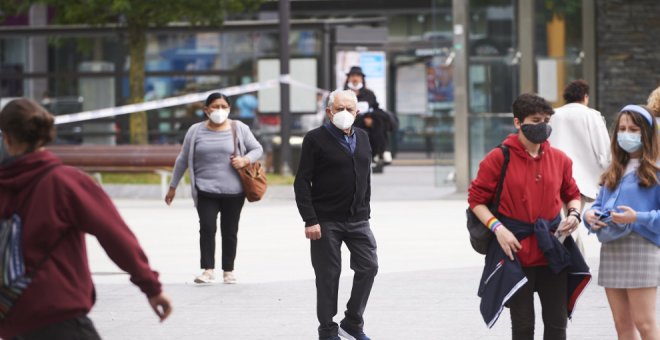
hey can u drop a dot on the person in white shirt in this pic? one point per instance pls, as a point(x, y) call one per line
point(580, 132)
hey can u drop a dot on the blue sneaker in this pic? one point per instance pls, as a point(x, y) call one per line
point(352, 334)
point(334, 337)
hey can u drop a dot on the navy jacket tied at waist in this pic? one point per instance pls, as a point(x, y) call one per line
point(502, 277)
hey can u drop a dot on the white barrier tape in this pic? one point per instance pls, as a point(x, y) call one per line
point(161, 103)
point(181, 100)
point(286, 79)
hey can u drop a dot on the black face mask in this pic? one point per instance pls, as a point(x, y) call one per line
point(536, 133)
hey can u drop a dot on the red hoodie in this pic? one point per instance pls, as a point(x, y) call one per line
point(533, 188)
point(64, 200)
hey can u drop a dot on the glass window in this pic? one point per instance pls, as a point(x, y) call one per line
point(558, 47)
point(493, 71)
point(13, 58)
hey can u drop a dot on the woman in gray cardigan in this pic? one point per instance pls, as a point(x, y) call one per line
point(208, 151)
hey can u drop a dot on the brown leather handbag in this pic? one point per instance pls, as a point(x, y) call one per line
point(253, 175)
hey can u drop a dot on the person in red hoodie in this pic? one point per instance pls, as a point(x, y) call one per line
point(538, 182)
point(58, 205)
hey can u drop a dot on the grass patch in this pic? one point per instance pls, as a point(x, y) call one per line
point(152, 178)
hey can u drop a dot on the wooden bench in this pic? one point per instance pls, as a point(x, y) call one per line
point(96, 159)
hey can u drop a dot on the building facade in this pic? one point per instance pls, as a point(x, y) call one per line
point(448, 69)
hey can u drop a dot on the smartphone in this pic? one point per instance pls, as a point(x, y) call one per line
point(604, 216)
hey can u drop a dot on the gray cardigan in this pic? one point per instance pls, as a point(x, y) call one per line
point(247, 144)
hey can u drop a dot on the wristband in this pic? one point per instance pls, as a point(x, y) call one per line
point(493, 223)
point(575, 214)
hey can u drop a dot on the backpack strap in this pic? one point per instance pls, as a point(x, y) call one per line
point(500, 182)
point(59, 240)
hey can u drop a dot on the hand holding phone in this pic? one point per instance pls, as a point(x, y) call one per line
point(604, 216)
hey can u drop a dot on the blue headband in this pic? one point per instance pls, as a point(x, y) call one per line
point(642, 111)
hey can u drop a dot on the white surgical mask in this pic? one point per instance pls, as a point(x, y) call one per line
point(219, 116)
point(355, 87)
point(343, 120)
point(629, 141)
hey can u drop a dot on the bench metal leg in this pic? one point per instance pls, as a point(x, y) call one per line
point(165, 186)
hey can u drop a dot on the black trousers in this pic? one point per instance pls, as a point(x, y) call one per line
point(551, 289)
point(208, 207)
point(80, 328)
point(326, 259)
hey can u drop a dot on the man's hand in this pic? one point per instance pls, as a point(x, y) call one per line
point(170, 195)
point(313, 232)
point(507, 241)
point(162, 305)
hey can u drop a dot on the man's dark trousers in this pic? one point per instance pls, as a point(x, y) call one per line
point(326, 259)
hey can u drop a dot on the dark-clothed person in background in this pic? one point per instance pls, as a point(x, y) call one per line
point(208, 151)
point(370, 117)
point(333, 191)
point(58, 205)
point(538, 182)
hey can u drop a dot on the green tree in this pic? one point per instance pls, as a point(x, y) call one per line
point(136, 16)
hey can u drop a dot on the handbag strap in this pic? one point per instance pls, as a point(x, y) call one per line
point(500, 182)
point(234, 138)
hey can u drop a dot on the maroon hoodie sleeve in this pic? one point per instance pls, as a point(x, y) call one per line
point(483, 187)
point(91, 210)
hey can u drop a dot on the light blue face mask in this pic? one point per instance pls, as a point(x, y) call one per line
point(629, 141)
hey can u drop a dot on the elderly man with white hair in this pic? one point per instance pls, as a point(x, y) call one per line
point(333, 190)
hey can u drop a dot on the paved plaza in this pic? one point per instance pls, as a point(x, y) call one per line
point(425, 289)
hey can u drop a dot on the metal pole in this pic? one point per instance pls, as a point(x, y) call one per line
point(285, 114)
point(589, 48)
point(526, 42)
point(460, 12)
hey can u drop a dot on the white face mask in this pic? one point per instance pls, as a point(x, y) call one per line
point(356, 86)
point(343, 120)
point(219, 116)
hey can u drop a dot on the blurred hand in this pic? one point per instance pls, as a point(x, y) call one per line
point(313, 232)
point(239, 162)
point(170, 195)
point(568, 225)
point(591, 219)
point(507, 241)
point(627, 216)
point(162, 305)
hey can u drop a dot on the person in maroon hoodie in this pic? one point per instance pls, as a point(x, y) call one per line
point(538, 182)
point(58, 205)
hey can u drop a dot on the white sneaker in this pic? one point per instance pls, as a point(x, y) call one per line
point(229, 278)
point(387, 157)
point(206, 277)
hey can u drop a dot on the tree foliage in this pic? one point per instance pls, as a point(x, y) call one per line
point(136, 16)
point(144, 13)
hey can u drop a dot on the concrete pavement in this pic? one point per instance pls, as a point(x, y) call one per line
point(425, 289)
